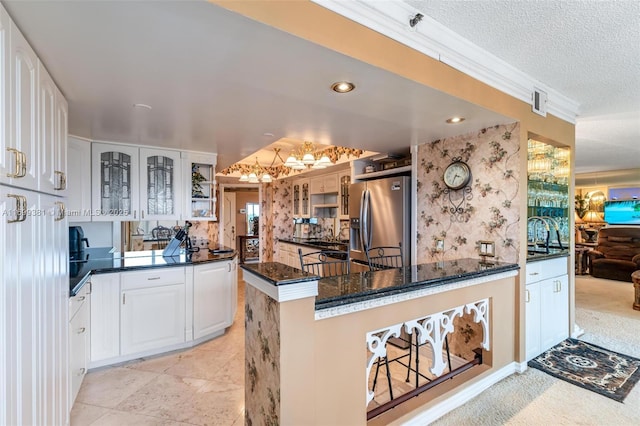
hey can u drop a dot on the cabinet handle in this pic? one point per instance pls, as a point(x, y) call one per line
point(21, 208)
point(134, 214)
point(82, 330)
point(141, 214)
point(527, 298)
point(23, 164)
point(124, 298)
point(229, 265)
point(61, 181)
point(533, 273)
point(153, 278)
point(81, 298)
point(82, 371)
point(17, 163)
point(62, 211)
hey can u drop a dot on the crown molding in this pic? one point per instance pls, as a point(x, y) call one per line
point(391, 18)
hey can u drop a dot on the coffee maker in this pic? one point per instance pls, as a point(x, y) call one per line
point(76, 241)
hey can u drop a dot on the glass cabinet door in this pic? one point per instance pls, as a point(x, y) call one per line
point(160, 171)
point(305, 199)
point(345, 182)
point(115, 182)
point(296, 200)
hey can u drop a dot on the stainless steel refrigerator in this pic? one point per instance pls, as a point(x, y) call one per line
point(379, 215)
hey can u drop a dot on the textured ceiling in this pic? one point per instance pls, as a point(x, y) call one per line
point(587, 50)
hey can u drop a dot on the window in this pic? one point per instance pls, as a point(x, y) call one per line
point(253, 218)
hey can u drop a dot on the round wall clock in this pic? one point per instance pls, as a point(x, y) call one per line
point(457, 175)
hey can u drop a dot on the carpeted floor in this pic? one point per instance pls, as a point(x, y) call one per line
point(604, 310)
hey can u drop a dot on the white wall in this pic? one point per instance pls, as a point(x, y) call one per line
point(100, 234)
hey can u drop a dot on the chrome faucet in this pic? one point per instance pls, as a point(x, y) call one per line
point(535, 220)
point(546, 221)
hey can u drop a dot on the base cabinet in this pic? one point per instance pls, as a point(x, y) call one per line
point(105, 316)
point(546, 305)
point(150, 311)
point(152, 317)
point(79, 338)
point(212, 298)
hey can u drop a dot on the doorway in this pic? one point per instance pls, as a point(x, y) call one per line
point(239, 205)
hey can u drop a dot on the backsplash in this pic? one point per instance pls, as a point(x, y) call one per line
point(487, 211)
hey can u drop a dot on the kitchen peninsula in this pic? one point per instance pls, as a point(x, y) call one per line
point(303, 326)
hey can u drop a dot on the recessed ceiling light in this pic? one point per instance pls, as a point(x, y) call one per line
point(145, 106)
point(455, 120)
point(342, 87)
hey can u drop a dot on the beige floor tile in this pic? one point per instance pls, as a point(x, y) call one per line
point(122, 418)
point(158, 364)
point(192, 401)
point(107, 388)
point(201, 364)
point(232, 371)
point(85, 414)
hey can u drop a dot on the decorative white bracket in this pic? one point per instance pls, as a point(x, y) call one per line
point(377, 345)
point(432, 328)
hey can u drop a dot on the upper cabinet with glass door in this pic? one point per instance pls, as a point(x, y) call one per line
point(115, 182)
point(160, 179)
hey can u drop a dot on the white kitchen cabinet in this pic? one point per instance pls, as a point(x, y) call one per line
point(199, 186)
point(105, 317)
point(301, 198)
point(305, 198)
point(325, 184)
point(152, 309)
point(213, 297)
point(115, 182)
point(52, 135)
point(21, 146)
point(160, 184)
point(79, 192)
point(546, 305)
point(34, 281)
point(34, 301)
point(79, 338)
point(344, 182)
point(295, 199)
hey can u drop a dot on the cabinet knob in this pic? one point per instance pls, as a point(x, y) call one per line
point(82, 371)
point(82, 330)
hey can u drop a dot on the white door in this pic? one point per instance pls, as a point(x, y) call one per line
point(229, 219)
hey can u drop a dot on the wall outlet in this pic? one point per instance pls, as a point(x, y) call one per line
point(487, 248)
point(439, 245)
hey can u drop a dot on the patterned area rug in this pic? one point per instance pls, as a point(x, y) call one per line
point(591, 367)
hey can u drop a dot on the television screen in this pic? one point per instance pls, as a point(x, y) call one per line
point(622, 212)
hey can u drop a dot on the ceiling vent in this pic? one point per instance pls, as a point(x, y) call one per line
point(539, 102)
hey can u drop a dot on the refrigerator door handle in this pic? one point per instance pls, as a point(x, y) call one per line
point(361, 220)
point(366, 222)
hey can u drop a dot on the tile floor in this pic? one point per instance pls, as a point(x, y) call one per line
point(203, 385)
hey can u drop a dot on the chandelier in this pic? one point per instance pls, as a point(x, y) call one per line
point(304, 157)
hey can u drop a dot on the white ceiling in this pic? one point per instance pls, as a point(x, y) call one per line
point(587, 50)
point(218, 81)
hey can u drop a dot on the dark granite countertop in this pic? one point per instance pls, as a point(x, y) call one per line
point(103, 260)
point(345, 289)
point(278, 273)
point(541, 254)
point(317, 243)
point(356, 287)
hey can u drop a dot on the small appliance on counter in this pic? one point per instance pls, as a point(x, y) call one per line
point(76, 242)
